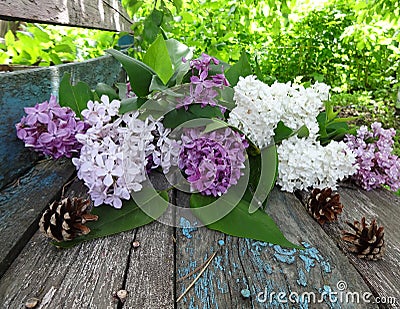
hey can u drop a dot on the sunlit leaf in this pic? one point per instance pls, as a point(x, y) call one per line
point(75, 97)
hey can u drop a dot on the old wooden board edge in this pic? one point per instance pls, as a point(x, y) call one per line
point(150, 277)
point(21, 205)
point(85, 276)
point(28, 87)
point(104, 14)
point(262, 270)
point(89, 274)
point(382, 276)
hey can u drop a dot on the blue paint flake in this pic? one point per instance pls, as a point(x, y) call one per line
point(191, 304)
point(308, 263)
point(284, 258)
point(218, 264)
point(310, 255)
point(187, 228)
point(283, 251)
point(245, 293)
point(302, 278)
point(326, 266)
point(221, 242)
point(223, 288)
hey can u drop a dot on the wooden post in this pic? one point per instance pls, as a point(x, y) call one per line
point(97, 14)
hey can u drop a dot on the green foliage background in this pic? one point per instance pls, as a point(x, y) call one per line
point(44, 45)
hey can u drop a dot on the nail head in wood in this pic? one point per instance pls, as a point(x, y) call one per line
point(32, 302)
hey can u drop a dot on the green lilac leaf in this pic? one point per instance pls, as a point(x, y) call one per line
point(109, 91)
point(240, 68)
point(239, 222)
point(282, 132)
point(131, 104)
point(158, 59)
point(177, 51)
point(140, 74)
point(177, 117)
point(75, 97)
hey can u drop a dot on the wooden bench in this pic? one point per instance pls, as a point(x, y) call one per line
point(156, 264)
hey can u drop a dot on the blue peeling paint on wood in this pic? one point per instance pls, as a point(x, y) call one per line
point(210, 283)
point(302, 278)
point(311, 255)
point(187, 227)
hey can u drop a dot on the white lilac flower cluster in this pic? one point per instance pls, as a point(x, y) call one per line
point(113, 157)
point(260, 107)
point(304, 163)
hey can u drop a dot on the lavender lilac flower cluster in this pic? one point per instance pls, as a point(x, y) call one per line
point(113, 157)
point(377, 165)
point(212, 161)
point(202, 87)
point(50, 129)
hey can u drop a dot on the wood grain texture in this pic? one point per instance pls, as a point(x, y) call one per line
point(22, 204)
point(81, 277)
point(244, 264)
point(98, 14)
point(383, 276)
point(28, 87)
point(150, 275)
point(85, 276)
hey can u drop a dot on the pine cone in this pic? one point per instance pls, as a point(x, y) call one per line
point(323, 205)
point(65, 220)
point(367, 240)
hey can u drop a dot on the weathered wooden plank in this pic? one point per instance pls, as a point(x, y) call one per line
point(264, 270)
point(382, 276)
point(151, 274)
point(102, 14)
point(26, 88)
point(85, 276)
point(21, 205)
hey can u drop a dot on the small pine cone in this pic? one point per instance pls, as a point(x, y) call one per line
point(323, 205)
point(65, 220)
point(366, 240)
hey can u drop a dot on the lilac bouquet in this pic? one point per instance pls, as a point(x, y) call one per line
point(225, 141)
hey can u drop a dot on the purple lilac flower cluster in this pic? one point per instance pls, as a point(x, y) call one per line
point(202, 87)
point(377, 165)
point(50, 129)
point(212, 161)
